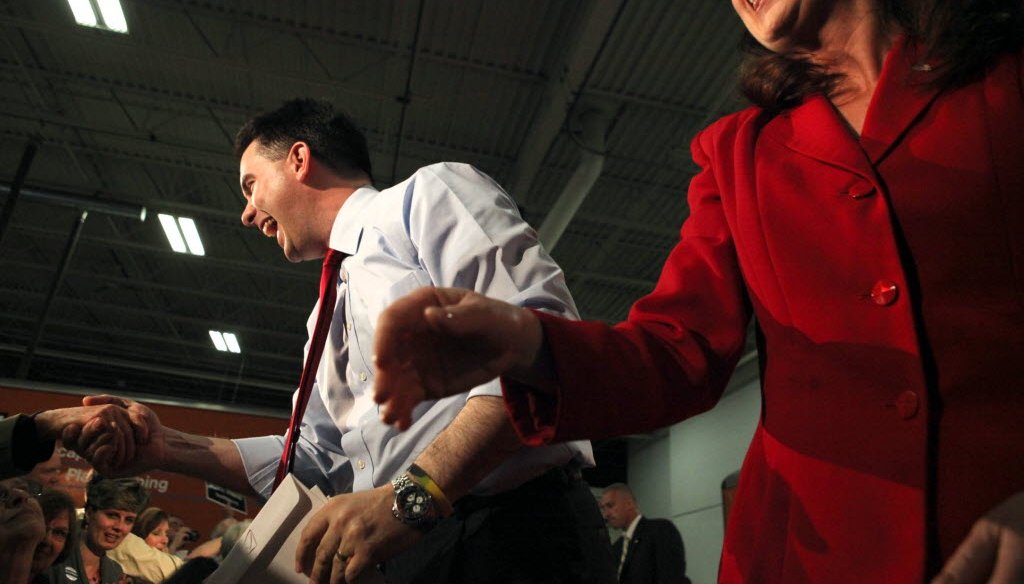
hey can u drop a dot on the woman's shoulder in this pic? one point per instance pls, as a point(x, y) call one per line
point(735, 121)
point(722, 135)
point(110, 571)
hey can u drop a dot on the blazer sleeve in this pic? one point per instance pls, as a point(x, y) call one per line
point(671, 358)
point(20, 447)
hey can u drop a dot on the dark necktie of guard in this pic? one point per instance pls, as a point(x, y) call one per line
point(328, 296)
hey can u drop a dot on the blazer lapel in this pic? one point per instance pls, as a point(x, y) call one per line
point(815, 129)
point(617, 548)
point(902, 89)
point(633, 541)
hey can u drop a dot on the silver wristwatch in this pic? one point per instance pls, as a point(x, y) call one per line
point(413, 504)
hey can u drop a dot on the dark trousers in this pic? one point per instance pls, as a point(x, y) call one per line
point(548, 530)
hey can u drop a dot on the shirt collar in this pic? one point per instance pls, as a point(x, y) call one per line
point(348, 225)
point(632, 527)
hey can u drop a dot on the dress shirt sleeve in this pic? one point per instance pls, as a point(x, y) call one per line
point(669, 360)
point(468, 234)
point(318, 458)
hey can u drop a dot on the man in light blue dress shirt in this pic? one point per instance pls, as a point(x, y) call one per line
point(520, 514)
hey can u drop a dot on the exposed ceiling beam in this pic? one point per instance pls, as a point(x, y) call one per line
point(295, 271)
point(152, 368)
point(289, 359)
point(193, 292)
point(565, 76)
point(202, 323)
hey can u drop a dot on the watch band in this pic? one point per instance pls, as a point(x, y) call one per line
point(441, 502)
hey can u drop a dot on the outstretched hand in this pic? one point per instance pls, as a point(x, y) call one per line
point(993, 551)
point(133, 444)
point(437, 342)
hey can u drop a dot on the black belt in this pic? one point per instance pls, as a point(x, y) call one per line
point(556, 479)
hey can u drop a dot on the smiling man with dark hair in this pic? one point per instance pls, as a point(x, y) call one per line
point(457, 498)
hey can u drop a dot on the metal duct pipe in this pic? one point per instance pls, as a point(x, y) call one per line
point(595, 124)
point(15, 189)
point(77, 201)
point(58, 278)
point(567, 78)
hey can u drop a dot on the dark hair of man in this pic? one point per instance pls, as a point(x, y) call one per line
point(149, 520)
point(960, 40)
point(332, 137)
point(53, 501)
point(125, 494)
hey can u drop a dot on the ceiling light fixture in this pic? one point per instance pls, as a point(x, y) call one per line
point(109, 12)
point(188, 228)
point(226, 342)
point(84, 14)
point(182, 234)
point(218, 340)
point(173, 234)
point(232, 342)
point(113, 16)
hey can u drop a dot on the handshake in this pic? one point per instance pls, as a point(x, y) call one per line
point(118, 436)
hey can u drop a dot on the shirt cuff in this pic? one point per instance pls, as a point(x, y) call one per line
point(260, 457)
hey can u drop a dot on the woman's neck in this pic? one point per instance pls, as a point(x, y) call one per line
point(91, 554)
point(854, 43)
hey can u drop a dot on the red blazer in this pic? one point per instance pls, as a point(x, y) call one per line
point(887, 278)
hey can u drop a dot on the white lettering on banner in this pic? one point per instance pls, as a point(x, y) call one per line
point(78, 475)
point(154, 484)
point(68, 453)
point(82, 475)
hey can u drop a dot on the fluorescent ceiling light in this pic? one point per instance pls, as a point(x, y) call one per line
point(218, 341)
point(232, 342)
point(82, 9)
point(173, 235)
point(185, 239)
point(225, 341)
point(110, 15)
point(188, 227)
point(113, 16)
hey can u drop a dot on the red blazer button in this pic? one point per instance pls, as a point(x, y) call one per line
point(860, 191)
point(884, 292)
point(907, 404)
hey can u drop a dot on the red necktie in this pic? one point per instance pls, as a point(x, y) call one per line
point(328, 296)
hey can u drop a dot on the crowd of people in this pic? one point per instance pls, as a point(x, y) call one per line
point(116, 538)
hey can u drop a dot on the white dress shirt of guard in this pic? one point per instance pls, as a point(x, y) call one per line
point(448, 225)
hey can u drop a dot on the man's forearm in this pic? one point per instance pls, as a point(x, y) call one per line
point(216, 460)
point(475, 443)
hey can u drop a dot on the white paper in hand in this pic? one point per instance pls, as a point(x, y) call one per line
point(266, 551)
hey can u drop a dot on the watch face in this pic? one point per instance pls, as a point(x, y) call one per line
point(415, 502)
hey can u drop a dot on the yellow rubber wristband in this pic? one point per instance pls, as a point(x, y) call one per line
point(444, 506)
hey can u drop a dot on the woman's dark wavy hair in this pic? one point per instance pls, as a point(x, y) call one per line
point(53, 502)
point(960, 40)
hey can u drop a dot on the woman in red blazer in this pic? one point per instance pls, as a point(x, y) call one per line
point(869, 211)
